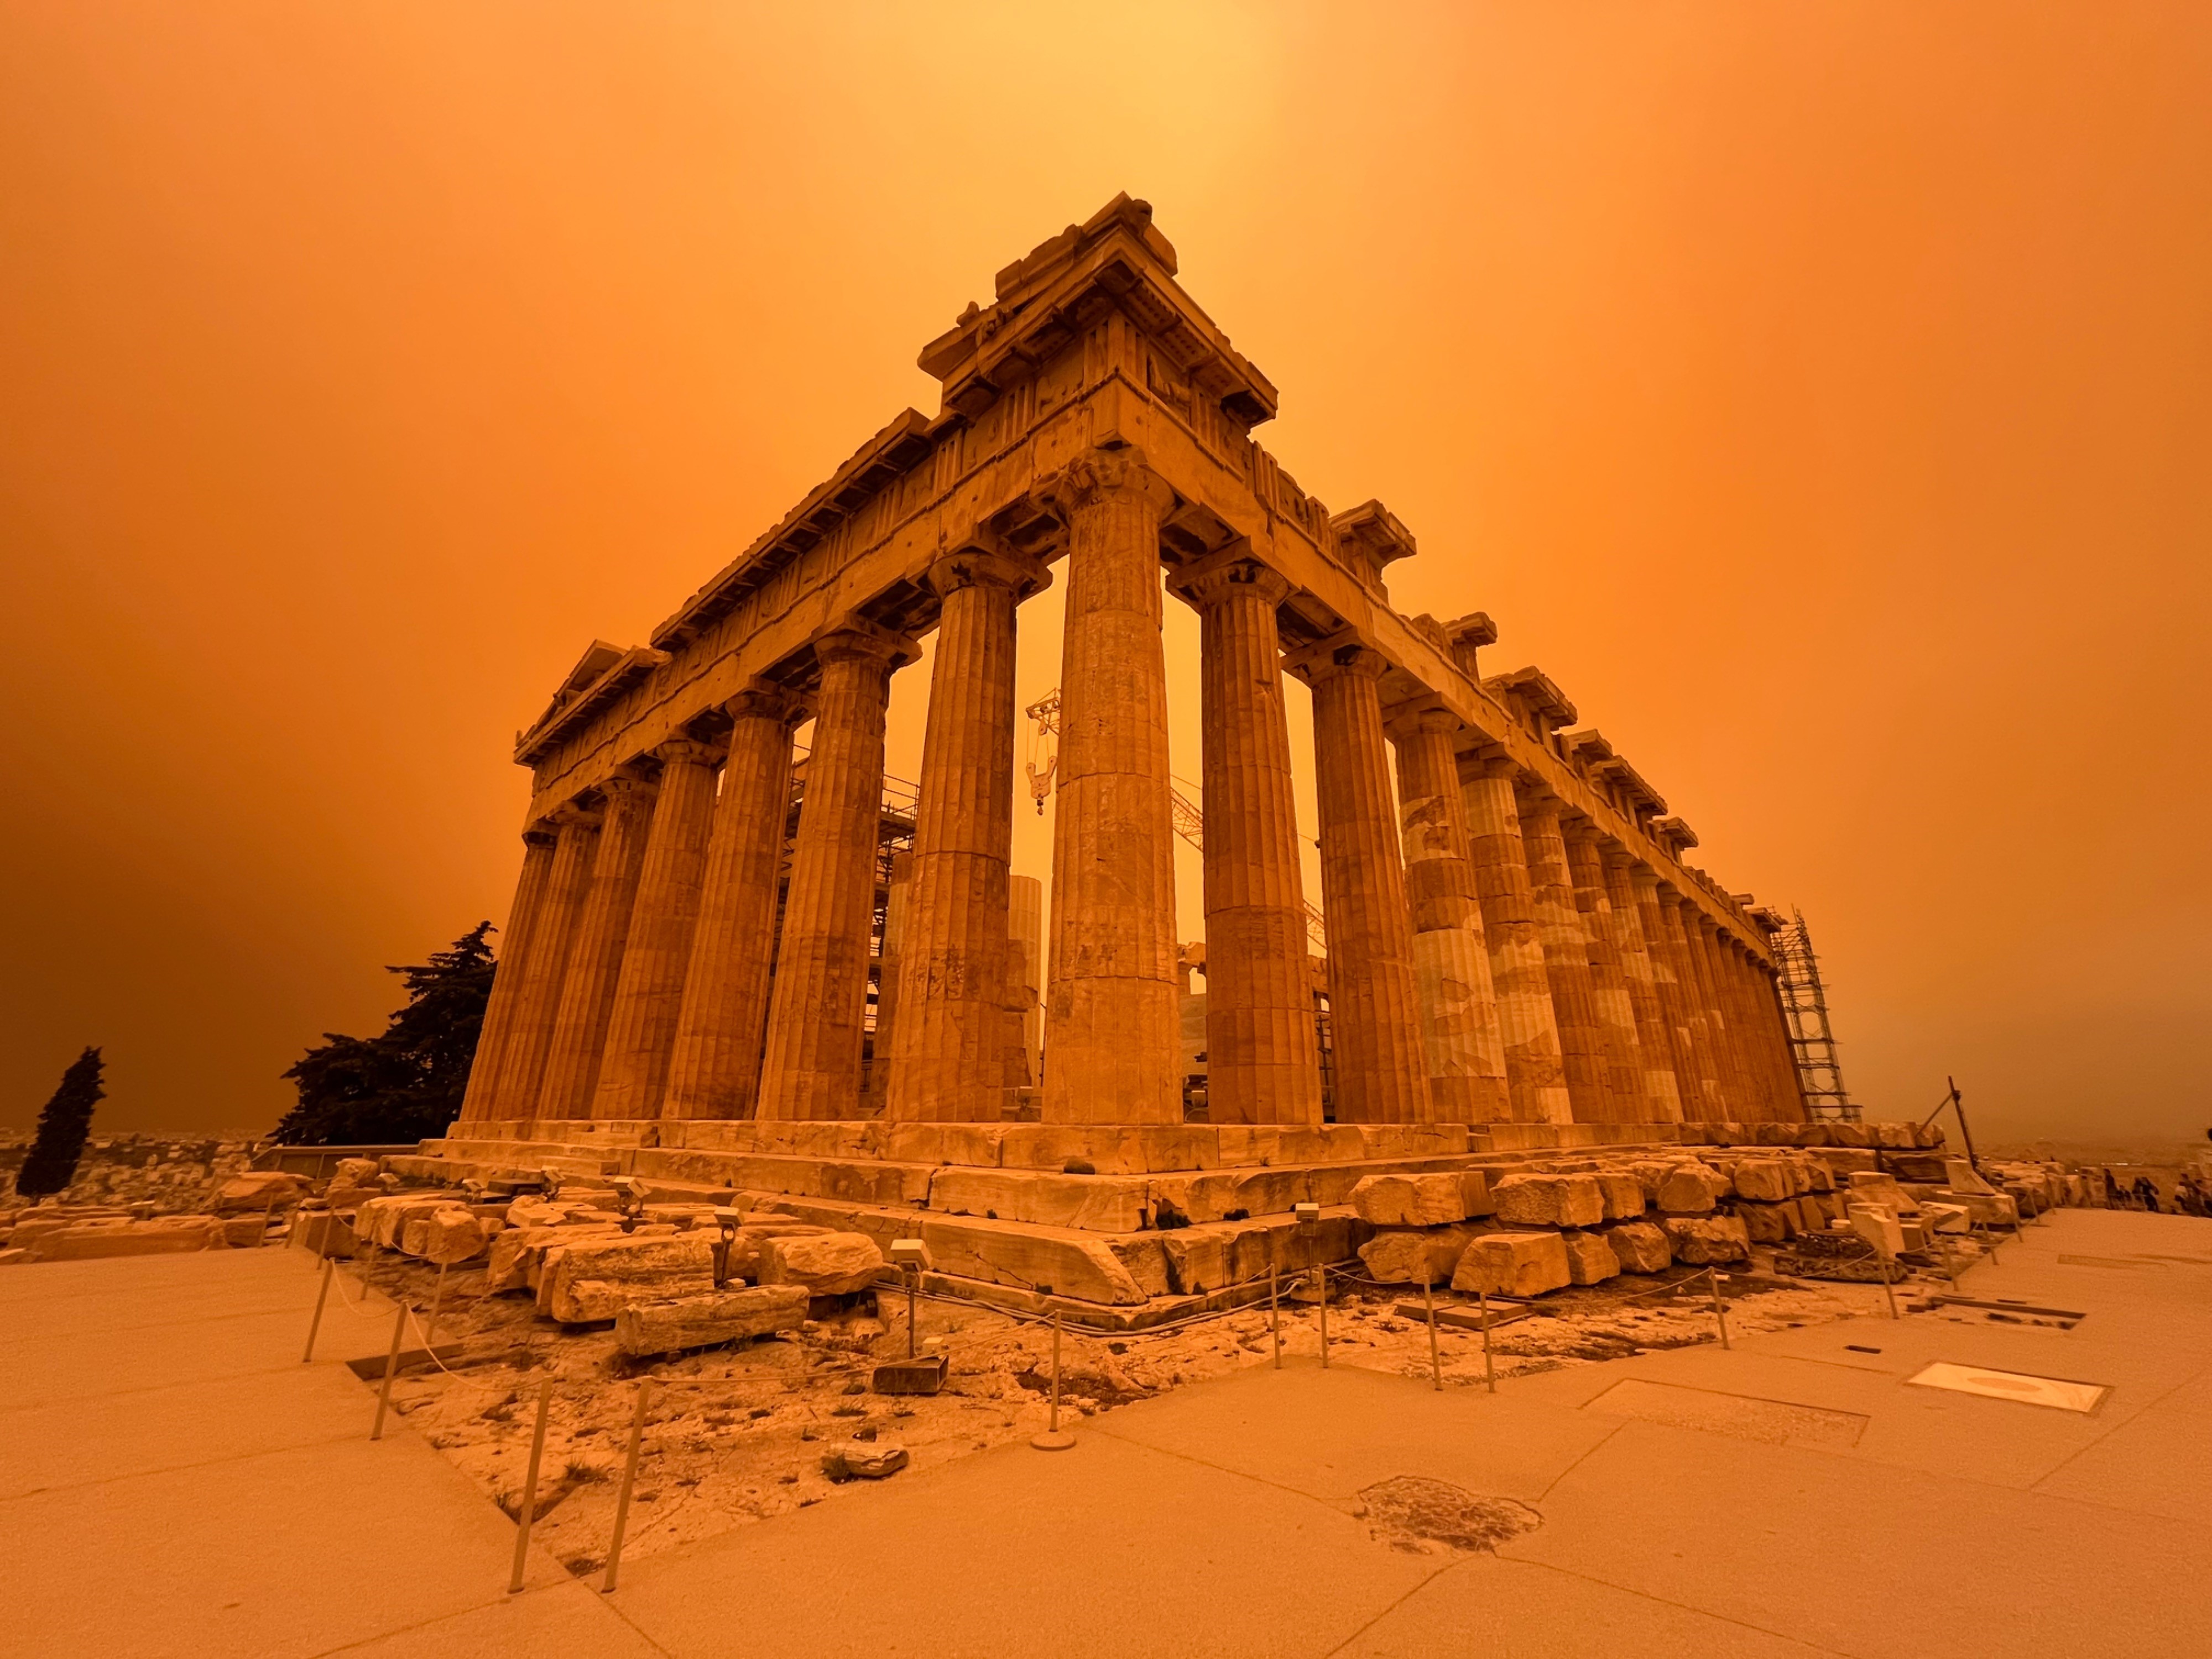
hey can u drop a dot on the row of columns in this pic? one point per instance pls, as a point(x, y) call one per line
point(1491, 956)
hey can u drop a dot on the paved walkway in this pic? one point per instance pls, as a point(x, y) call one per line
point(175, 1482)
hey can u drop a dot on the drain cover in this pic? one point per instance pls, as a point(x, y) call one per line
point(2012, 1385)
point(1412, 1512)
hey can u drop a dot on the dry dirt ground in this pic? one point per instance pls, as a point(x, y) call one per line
point(738, 1434)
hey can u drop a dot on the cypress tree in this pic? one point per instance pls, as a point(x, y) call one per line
point(407, 1082)
point(62, 1126)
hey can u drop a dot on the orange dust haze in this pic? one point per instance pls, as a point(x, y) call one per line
point(1821, 393)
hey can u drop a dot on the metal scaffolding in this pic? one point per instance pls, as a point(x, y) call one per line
point(1805, 1006)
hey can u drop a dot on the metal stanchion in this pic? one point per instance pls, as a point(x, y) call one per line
point(1275, 1314)
point(330, 1267)
point(268, 1215)
point(1881, 1267)
point(1429, 1302)
point(1489, 1369)
point(530, 1489)
point(1950, 1265)
point(390, 1365)
point(1054, 1438)
point(1720, 1309)
point(1320, 1274)
point(629, 1480)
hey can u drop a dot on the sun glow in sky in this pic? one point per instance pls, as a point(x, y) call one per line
point(1822, 394)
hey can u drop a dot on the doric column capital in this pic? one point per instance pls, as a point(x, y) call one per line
point(626, 784)
point(1414, 720)
point(856, 641)
point(1227, 575)
point(1100, 475)
point(762, 701)
point(987, 562)
point(573, 813)
point(544, 833)
point(1342, 654)
point(681, 752)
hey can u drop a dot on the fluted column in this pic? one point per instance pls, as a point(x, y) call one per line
point(897, 884)
point(1750, 1031)
point(817, 1007)
point(1566, 957)
point(588, 991)
point(1642, 967)
point(1616, 1008)
point(1375, 1011)
point(1704, 953)
point(1534, 1071)
point(538, 1006)
point(714, 1070)
point(1462, 1038)
point(1262, 1065)
point(507, 976)
point(948, 1042)
point(1113, 1045)
point(649, 995)
point(1790, 1081)
point(1709, 1104)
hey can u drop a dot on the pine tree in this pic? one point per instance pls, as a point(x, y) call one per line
point(62, 1126)
point(407, 1084)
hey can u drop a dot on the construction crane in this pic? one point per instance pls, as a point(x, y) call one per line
point(1183, 811)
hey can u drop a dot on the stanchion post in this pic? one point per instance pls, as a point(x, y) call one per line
point(912, 1308)
point(1881, 1266)
point(1720, 1309)
point(390, 1365)
point(629, 1481)
point(530, 1488)
point(1054, 1438)
point(1489, 1368)
point(330, 1267)
point(1275, 1314)
point(1429, 1302)
point(1320, 1274)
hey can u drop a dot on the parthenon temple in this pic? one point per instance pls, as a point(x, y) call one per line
point(732, 961)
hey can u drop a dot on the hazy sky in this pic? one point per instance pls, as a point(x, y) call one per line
point(1821, 393)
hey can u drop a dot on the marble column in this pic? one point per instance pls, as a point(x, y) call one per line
point(1790, 1081)
point(1113, 1052)
point(888, 957)
point(817, 1006)
point(1534, 1071)
point(545, 965)
point(1262, 1065)
point(1616, 1007)
point(649, 995)
point(512, 968)
point(1462, 1038)
point(948, 1042)
point(1566, 957)
point(1648, 982)
point(714, 1069)
point(1756, 1027)
point(1707, 1104)
point(1704, 951)
point(1375, 1011)
point(588, 991)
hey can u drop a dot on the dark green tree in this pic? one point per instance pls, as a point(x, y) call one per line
point(51, 1164)
point(407, 1084)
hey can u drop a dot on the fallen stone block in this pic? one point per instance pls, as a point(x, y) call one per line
point(1767, 1224)
point(1591, 1260)
point(1640, 1246)
point(1763, 1180)
point(354, 1172)
point(1548, 1200)
point(1624, 1196)
point(259, 1190)
point(178, 1236)
point(1689, 1189)
point(321, 1232)
point(1513, 1264)
point(1409, 1257)
point(1705, 1240)
point(827, 1264)
point(596, 1279)
point(243, 1231)
point(699, 1322)
point(1879, 1186)
point(1410, 1201)
point(452, 1236)
point(864, 1460)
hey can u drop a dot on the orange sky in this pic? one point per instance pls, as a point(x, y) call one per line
point(1822, 394)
